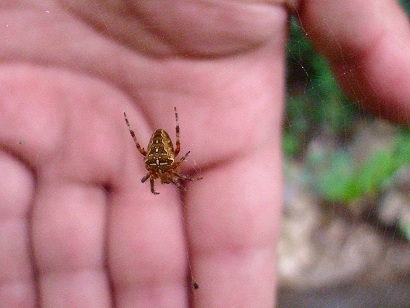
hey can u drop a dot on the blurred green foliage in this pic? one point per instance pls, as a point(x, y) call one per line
point(406, 5)
point(317, 107)
point(404, 226)
point(344, 181)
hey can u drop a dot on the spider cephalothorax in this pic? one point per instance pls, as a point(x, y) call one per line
point(160, 157)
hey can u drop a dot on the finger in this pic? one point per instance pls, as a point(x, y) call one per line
point(68, 242)
point(70, 149)
point(147, 251)
point(233, 216)
point(26, 142)
point(368, 45)
point(146, 245)
point(17, 283)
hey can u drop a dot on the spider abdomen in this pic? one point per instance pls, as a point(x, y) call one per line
point(160, 152)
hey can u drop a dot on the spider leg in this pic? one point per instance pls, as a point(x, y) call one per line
point(146, 177)
point(182, 176)
point(177, 184)
point(188, 178)
point(177, 142)
point(183, 158)
point(139, 148)
point(151, 180)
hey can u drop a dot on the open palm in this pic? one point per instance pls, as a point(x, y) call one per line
point(78, 228)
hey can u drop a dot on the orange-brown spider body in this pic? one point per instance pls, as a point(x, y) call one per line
point(160, 157)
point(160, 152)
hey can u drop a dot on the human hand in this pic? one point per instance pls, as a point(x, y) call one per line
point(78, 227)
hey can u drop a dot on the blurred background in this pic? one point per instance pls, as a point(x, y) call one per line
point(346, 229)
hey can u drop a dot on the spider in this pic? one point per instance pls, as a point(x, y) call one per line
point(160, 157)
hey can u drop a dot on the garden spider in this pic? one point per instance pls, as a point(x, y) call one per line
point(160, 157)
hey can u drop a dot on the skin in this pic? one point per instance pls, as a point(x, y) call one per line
point(78, 228)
